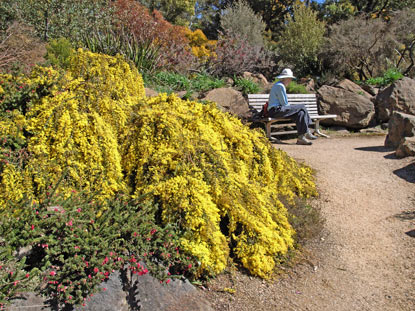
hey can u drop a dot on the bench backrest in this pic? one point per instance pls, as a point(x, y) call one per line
point(309, 100)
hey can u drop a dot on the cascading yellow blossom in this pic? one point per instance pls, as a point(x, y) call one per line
point(219, 180)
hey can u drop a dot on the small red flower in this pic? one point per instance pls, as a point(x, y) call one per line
point(52, 273)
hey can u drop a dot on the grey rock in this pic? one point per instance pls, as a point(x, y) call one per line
point(309, 84)
point(353, 110)
point(29, 302)
point(257, 78)
point(400, 125)
point(353, 87)
point(406, 148)
point(229, 100)
point(113, 298)
point(400, 96)
point(123, 293)
point(177, 295)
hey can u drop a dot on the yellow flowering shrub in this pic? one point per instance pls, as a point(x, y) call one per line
point(221, 183)
point(201, 46)
point(74, 125)
point(219, 180)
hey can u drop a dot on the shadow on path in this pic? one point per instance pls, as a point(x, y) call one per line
point(407, 173)
point(375, 149)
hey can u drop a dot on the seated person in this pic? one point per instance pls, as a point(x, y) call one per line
point(278, 107)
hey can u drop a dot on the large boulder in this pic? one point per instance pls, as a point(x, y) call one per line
point(229, 100)
point(351, 104)
point(400, 125)
point(122, 293)
point(348, 85)
point(400, 96)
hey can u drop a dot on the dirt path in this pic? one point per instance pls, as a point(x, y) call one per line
point(366, 257)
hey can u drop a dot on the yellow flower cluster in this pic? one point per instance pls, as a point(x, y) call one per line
point(217, 179)
point(220, 182)
point(74, 126)
point(201, 47)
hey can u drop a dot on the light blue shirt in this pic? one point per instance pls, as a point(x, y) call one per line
point(278, 96)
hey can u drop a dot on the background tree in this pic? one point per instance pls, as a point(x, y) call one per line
point(301, 41)
point(403, 25)
point(333, 11)
point(178, 12)
point(242, 20)
point(377, 6)
point(274, 13)
point(359, 48)
point(62, 18)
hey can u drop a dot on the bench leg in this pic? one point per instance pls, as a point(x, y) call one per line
point(317, 129)
point(268, 129)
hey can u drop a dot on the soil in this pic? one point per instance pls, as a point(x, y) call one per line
point(364, 258)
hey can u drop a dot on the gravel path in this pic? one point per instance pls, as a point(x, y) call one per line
point(365, 259)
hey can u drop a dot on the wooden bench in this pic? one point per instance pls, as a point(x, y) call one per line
point(256, 101)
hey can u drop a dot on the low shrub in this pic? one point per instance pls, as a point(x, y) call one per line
point(246, 86)
point(70, 251)
point(295, 88)
point(245, 57)
point(389, 77)
point(59, 52)
point(172, 82)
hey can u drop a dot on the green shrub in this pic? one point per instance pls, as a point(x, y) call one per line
point(390, 76)
point(59, 52)
point(295, 88)
point(246, 86)
point(169, 82)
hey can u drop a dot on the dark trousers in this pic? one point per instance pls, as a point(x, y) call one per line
point(296, 113)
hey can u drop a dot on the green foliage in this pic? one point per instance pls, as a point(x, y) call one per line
point(172, 82)
point(390, 76)
point(246, 86)
point(59, 52)
point(241, 20)
point(144, 55)
point(301, 41)
point(295, 88)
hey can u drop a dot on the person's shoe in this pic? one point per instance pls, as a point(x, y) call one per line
point(303, 141)
point(308, 135)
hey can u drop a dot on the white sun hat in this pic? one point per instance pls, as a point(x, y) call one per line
point(286, 73)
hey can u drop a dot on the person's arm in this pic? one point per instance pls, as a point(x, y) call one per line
point(281, 95)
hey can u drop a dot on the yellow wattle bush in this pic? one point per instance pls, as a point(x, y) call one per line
point(75, 124)
point(201, 46)
point(219, 180)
